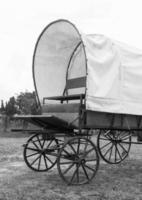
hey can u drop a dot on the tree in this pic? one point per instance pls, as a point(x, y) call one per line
point(10, 107)
point(2, 108)
point(26, 103)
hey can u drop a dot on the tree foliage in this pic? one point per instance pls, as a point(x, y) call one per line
point(10, 107)
point(24, 103)
point(2, 108)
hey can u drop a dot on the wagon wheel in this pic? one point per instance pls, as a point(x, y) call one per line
point(78, 161)
point(40, 152)
point(114, 146)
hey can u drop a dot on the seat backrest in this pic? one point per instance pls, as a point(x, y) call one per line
point(68, 106)
point(78, 84)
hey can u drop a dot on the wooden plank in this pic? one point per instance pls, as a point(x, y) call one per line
point(103, 120)
point(65, 98)
point(46, 121)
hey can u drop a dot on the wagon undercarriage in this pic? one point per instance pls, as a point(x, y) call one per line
point(73, 150)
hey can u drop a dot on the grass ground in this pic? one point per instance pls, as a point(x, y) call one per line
point(18, 182)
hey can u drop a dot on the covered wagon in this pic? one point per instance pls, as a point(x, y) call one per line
point(83, 82)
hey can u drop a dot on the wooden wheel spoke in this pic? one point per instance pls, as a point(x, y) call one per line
point(35, 160)
point(49, 144)
point(106, 145)
point(74, 173)
point(91, 160)
point(33, 142)
point(43, 144)
point(85, 172)
point(118, 152)
point(32, 154)
point(89, 168)
point(107, 151)
point(39, 141)
point(101, 138)
point(71, 165)
point(78, 147)
point(111, 152)
point(30, 148)
point(73, 149)
point(49, 159)
point(125, 138)
point(66, 163)
point(85, 147)
point(123, 148)
point(39, 162)
point(117, 135)
point(87, 152)
point(107, 135)
point(67, 153)
point(46, 165)
point(115, 157)
point(77, 174)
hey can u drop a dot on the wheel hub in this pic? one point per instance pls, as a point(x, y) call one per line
point(83, 161)
point(115, 141)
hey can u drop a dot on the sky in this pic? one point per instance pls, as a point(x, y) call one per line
point(21, 22)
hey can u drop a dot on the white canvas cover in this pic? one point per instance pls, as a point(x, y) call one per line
point(114, 70)
point(114, 80)
point(51, 61)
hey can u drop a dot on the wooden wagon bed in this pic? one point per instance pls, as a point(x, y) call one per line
point(46, 121)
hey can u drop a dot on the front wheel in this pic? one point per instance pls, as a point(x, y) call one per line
point(78, 161)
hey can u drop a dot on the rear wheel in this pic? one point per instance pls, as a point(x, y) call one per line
point(114, 145)
point(78, 161)
point(40, 152)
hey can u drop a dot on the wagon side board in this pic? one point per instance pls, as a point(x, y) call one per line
point(68, 112)
point(102, 120)
point(48, 121)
